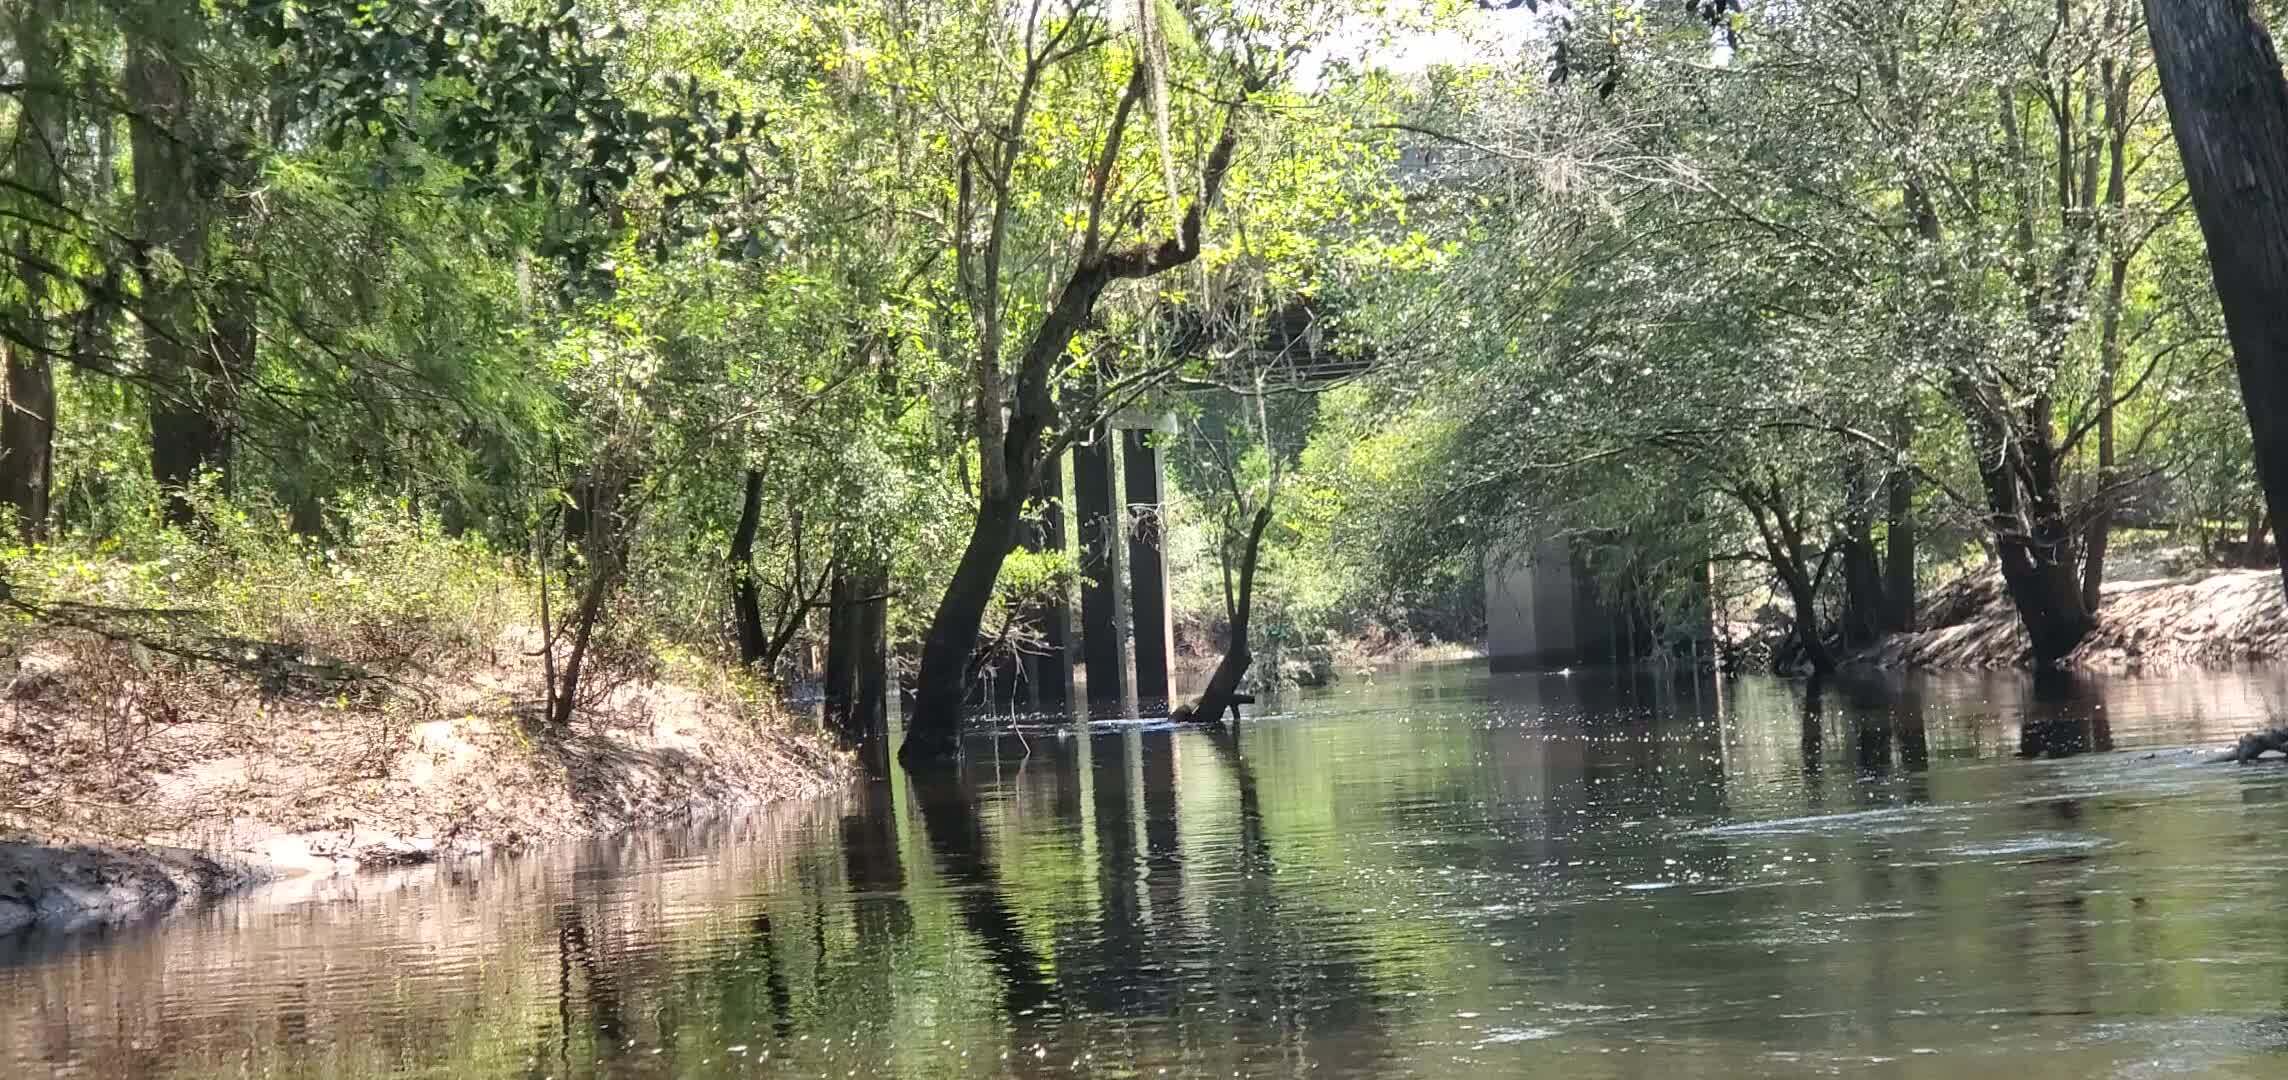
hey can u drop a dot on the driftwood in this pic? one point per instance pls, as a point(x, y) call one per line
point(2254, 745)
point(1188, 714)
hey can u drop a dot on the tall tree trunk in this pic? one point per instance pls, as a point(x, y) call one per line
point(185, 374)
point(746, 593)
point(1899, 532)
point(27, 441)
point(1864, 607)
point(2116, 79)
point(27, 415)
point(2100, 529)
point(869, 717)
point(2228, 106)
point(841, 679)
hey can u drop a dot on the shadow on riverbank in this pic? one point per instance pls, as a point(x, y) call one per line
point(2215, 620)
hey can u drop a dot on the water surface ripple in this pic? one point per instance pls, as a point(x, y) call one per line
point(1443, 874)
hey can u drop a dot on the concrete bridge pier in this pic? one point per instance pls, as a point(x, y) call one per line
point(1048, 683)
point(1148, 571)
point(1103, 649)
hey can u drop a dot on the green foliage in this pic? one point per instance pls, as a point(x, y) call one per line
point(392, 591)
point(530, 292)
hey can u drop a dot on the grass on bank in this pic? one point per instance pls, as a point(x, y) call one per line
point(383, 678)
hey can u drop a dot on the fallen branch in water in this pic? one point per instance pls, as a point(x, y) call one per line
point(2254, 745)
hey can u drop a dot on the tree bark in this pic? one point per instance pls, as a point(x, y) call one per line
point(1011, 448)
point(746, 594)
point(933, 730)
point(841, 676)
point(1899, 532)
point(1864, 606)
point(2017, 467)
point(2228, 107)
point(27, 416)
point(169, 217)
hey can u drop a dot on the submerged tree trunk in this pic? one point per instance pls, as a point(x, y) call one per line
point(933, 730)
point(2228, 107)
point(27, 416)
point(1016, 423)
point(868, 718)
point(1222, 692)
point(857, 669)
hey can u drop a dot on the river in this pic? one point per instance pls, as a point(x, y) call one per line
point(1442, 874)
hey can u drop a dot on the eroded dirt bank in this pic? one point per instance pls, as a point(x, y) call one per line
point(129, 786)
point(2218, 619)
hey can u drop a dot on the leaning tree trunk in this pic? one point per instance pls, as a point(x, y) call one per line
point(605, 541)
point(1222, 691)
point(1782, 535)
point(2228, 106)
point(1012, 445)
point(942, 686)
point(27, 416)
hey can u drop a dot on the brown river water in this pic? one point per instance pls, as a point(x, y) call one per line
point(1442, 874)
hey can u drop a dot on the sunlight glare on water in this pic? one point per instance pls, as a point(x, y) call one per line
point(1443, 874)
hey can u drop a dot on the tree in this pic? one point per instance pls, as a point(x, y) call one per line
point(1017, 417)
point(2228, 106)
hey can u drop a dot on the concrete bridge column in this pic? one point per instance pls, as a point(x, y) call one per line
point(1147, 572)
point(1049, 675)
point(1103, 650)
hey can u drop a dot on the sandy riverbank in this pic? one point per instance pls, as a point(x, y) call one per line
point(2218, 619)
point(128, 786)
